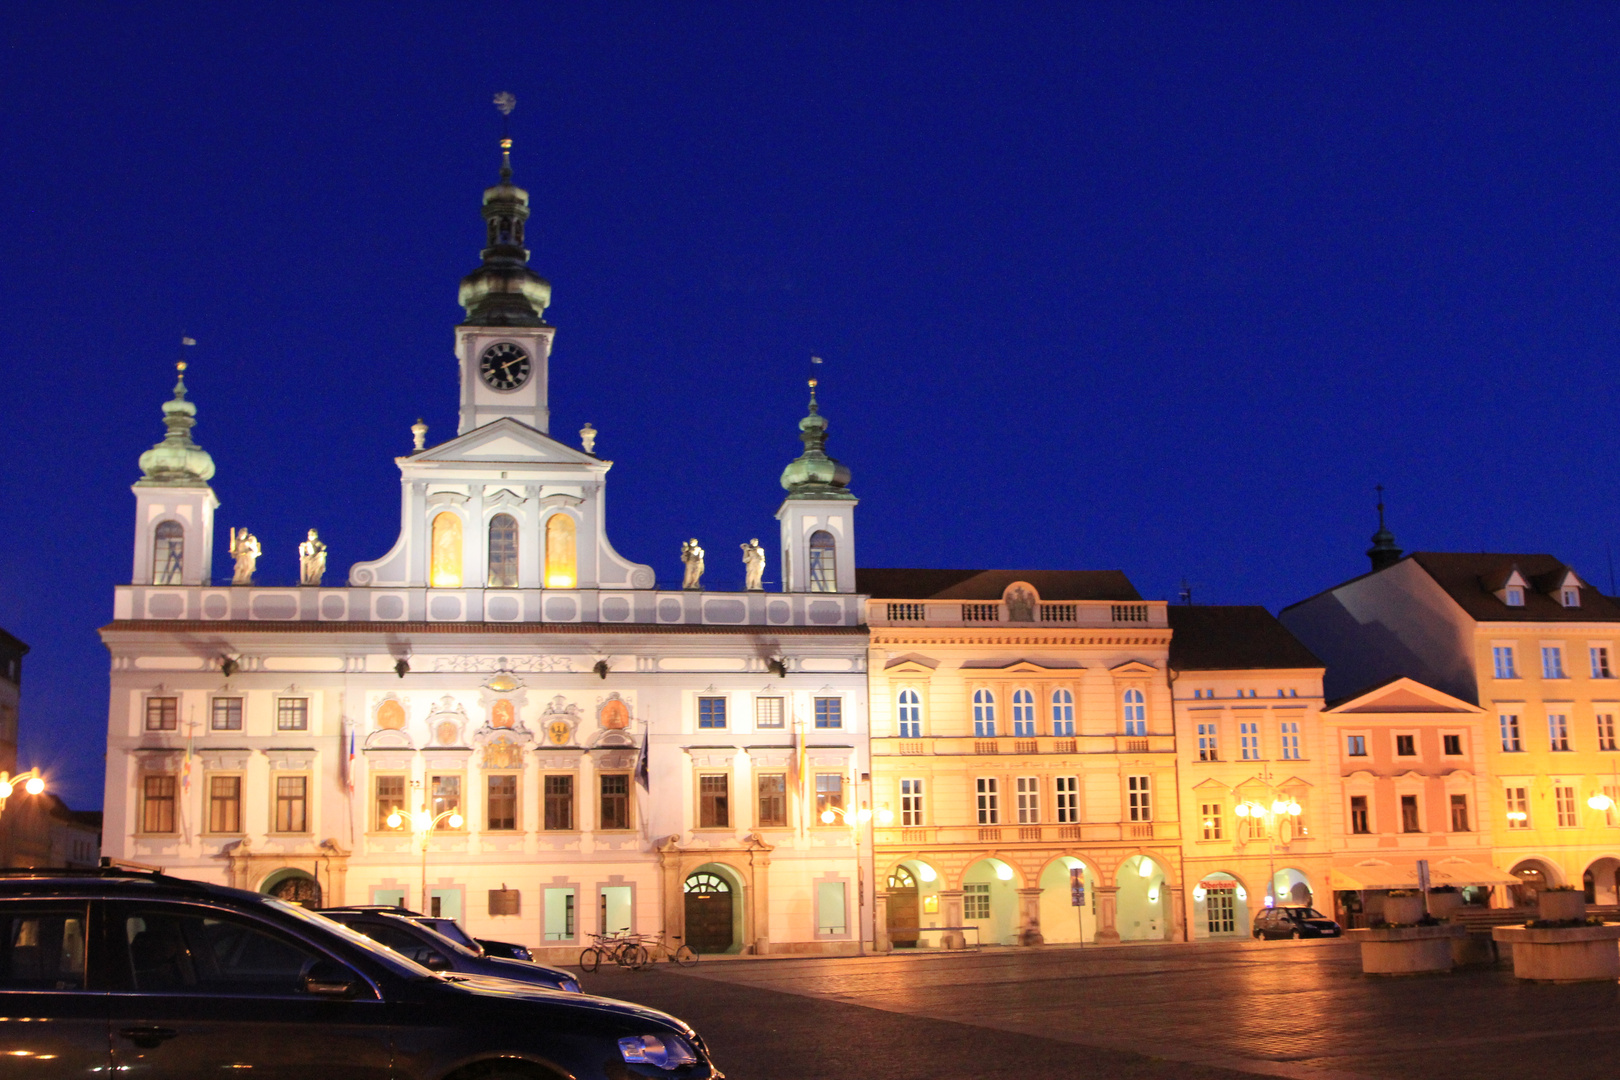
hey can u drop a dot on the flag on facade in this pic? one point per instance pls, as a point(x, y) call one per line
point(642, 776)
point(185, 767)
point(348, 771)
point(188, 341)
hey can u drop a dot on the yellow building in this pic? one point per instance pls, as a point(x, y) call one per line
point(1256, 773)
point(1525, 639)
point(1022, 744)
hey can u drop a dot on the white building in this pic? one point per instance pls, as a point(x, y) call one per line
point(504, 673)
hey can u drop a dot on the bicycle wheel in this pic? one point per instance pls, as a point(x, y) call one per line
point(684, 956)
point(590, 960)
point(635, 957)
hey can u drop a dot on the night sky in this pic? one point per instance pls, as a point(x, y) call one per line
point(1163, 287)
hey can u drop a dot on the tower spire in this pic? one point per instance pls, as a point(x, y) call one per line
point(814, 475)
point(1383, 552)
point(504, 291)
point(177, 460)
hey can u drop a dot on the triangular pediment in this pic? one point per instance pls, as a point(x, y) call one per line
point(1211, 784)
point(911, 663)
point(1402, 695)
point(504, 440)
point(1133, 667)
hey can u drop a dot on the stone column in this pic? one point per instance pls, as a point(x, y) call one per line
point(1107, 904)
point(880, 922)
point(1178, 917)
point(951, 902)
point(1029, 917)
point(759, 893)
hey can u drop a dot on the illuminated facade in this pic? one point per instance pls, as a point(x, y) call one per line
point(591, 750)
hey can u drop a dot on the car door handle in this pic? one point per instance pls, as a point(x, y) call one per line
point(147, 1037)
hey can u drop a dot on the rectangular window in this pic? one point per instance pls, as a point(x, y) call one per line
point(1558, 731)
point(1356, 745)
point(615, 803)
point(224, 804)
point(1359, 822)
point(1028, 790)
point(500, 807)
point(559, 914)
point(976, 900)
point(1605, 731)
point(1140, 790)
point(1213, 815)
point(832, 918)
point(1510, 733)
point(989, 805)
point(1067, 789)
point(226, 714)
point(446, 796)
point(292, 804)
point(1290, 740)
point(1552, 662)
point(1249, 737)
point(1062, 713)
point(1502, 660)
point(292, 714)
point(830, 795)
point(162, 714)
point(1409, 814)
point(559, 806)
point(714, 801)
point(1518, 808)
point(1600, 662)
point(711, 712)
point(771, 808)
point(768, 712)
point(1406, 745)
point(1564, 797)
point(911, 802)
point(1453, 745)
point(829, 712)
point(1208, 746)
point(388, 798)
point(1459, 814)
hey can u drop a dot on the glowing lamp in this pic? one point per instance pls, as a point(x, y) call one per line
point(1004, 872)
point(885, 817)
point(1243, 894)
point(1199, 894)
point(926, 872)
point(1145, 868)
point(1294, 809)
point(1279, 807)
point(863, 814)
point(1153, 895)
point(1241, 809)
point(827, 817)
point(456, 821)
point(422, 820)
point(394, 820)
point(1600, 802)
point(5, 789)
point(34, 786)
point(558, 579)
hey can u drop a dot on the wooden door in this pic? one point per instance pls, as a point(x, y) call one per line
point(708, 913)
point(903, 909)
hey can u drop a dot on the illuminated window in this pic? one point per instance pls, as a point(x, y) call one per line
point(1502, 661)
point(823, 562)
point(1558, 731)
point(771, 810)
point(227, 714)
point(714, 801)
point(445, 572)
point(1212, 817)
point(1605, 730)
point(559, 802)
point(1062, 712)
point(1409, 814)
point(390, 799)
point(1510, 732)
point(292, 804)
point(503, 552)
point(157, 803)
point(1459, 814)
point(768, 712)
point(1290, 739)
point(1359, 823)
point(1209, 748)
point(1518, 808)
point(1600, 662)
point(1249, 740)
point(1552, 662)
point(500, 806)
point(292, 714)
point(162, 713)
point(829, 794)
point(224, 804)
point(1564, 798)
point(562, 570)
point(168, 553)
point(976, 900)
point(829, 712)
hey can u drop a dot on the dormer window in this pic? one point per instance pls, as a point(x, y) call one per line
point(1513, 596)
point(1569, 597)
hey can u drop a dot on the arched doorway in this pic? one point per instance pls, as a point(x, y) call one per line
point(1143, 912)
point(904, 908)
point(1534, 875)
point(1061, 921)
point(293, 886)
point(1220, 906)
point(990, 901)
point(1602, 881)
point(710, 912)
point(1291, 888)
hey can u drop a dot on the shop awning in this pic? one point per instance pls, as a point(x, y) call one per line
point(1403, 874)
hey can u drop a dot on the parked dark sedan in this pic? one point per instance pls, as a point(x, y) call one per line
point(506, 950)
point(1294, 922)
point(433, 950)
point(121, 973)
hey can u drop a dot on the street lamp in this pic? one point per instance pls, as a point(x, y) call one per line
point(855, 819)
point(30, 781)
point(1286, 810)
point(423, 824)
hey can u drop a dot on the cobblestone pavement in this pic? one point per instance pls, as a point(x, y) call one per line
point(1293, 1009)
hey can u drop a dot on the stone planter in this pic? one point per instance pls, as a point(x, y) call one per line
point(1561, 905)
point(1442, 905)
point(1407, 950)
point(1403, 910)
point(1564, 954)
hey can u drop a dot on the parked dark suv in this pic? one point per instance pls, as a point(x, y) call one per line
point(1294, 922)
point(411, 936)
point(120, 973)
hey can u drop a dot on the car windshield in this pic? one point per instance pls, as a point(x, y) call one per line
point(1304, 913)
point(452, 930)
point(406, 968)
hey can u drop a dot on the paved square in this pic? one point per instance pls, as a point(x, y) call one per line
point(1294, 1009)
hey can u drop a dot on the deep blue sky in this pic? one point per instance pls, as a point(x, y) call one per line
point(1162, 287)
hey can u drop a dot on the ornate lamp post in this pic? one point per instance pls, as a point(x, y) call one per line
point(855, 819)
point(423, 824)
point(30, 781)
point(1281, 812)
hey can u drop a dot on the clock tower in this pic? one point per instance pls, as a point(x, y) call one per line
point(504, 344)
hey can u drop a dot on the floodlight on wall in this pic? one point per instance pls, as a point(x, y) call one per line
point(228, 666)
point(1145, 868)
point(926, 872)
point(601, 668)
point(1004, 872)
point(777, 666)
point(401, 666)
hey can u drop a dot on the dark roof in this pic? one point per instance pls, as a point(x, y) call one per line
point(1232, 639)
point(512, 629)
point(909, 584)
point(1471, 580)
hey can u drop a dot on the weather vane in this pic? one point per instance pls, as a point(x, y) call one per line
point(505, 102)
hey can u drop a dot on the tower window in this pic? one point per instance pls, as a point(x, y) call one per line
point(445, 572)
point(168, 553)
point(503, 552)
point(823, 562)
point(562, 569)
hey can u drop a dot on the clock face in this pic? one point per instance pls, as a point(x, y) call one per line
point(504, 366)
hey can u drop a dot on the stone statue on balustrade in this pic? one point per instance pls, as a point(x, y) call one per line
point(753, 566)
point(245, 550)
point(692, 556)
point(311, 560)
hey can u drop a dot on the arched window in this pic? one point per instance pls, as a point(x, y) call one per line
point(503, 552)
point(1023, 713)
point(168, 553)
point(1062, 712)
point(562, 567)
point(984, 713)
point(1135, 713)
point(823, 562)
point(910, 715)
point(445, 571)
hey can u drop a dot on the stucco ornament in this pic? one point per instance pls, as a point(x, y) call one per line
point(1021, 605)
point(311, 559)
point(753, 566)
point(692, 556)
point(245, 550)
point(559, 721)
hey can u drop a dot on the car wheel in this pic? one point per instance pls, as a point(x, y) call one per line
point(589, 960)
point(685, 957)
point(1296, 935)
point(1259, 935)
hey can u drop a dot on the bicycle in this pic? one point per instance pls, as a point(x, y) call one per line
point(621, 947)
point(657, 945)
